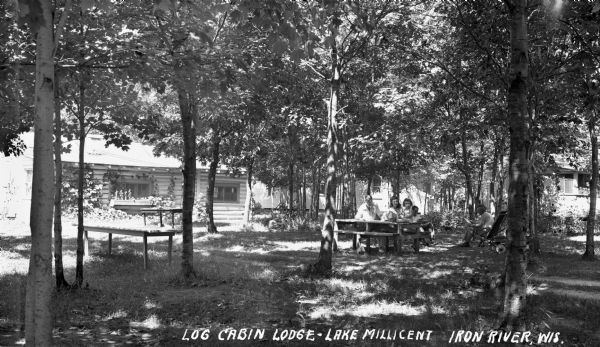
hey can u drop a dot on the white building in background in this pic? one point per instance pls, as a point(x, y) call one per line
point(136, 171)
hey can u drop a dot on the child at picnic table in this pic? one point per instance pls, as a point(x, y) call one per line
point(415, 216)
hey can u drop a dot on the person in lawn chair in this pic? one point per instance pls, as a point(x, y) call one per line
point(480, 228)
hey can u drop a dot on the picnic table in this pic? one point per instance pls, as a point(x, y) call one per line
point(144, 232)
point(398, 231)
point(160, 211)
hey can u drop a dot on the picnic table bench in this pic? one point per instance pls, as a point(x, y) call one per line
point(160, 211)
point(144, 232)
point(398, 231)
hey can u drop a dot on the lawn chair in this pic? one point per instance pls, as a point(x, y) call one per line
point(496, 237)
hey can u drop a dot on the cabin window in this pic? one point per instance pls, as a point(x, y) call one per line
point(137, 190)
point(226, 193)
point(376, 184)
point(583, 180)
point(567, 184)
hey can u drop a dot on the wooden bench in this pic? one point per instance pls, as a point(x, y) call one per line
point(160, 211)
point(399, 232)
point(143, 232)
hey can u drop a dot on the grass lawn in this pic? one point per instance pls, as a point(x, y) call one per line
point(254, 280)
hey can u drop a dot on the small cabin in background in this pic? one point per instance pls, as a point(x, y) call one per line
point(127, 180)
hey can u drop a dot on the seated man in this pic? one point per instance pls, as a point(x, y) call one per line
point(479, 228)
point(368, 210)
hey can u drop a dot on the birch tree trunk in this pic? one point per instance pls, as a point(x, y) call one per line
point(589, 253)
point(516, 262)
point(38, 307)
point(324, 262)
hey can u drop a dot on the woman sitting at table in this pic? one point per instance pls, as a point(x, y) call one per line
point(391, 215)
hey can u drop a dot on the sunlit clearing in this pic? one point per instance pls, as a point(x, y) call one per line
point(344, 286)
point(239, 248)
point(152, 322)
point(295, 246)
point(381, 308)
point(204, 253)
point(436, 274)
point(150, 305)
point(582, 238)
point(266, 274)
point(206, 237)
point(115, 315)
point(14, 266)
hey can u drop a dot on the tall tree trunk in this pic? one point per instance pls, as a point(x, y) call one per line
point(80, 184)
point(291, 186)
point(248, 203)
point(518, 122)
point(591, 220)
point(212, 174)
point(313, 192)
point(501, 179)
point(303, 190)
point(188, 111)
point(38, 303)
point(325, 260)
point(317, 196)
point(59, 271)
point(534, 244)
point(480, 174)
point(396, 188)
point(369, 183)
point(498, 156)
point(467, 172)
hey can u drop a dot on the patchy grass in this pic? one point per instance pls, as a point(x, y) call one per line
point(254, 279)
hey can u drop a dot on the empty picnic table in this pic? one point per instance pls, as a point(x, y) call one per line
point(160, 211)
point(144, 232)
point(398, 231)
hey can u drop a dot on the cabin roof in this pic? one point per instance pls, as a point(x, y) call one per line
point(139, 154)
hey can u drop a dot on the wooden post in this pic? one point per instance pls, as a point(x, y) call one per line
point(368, 229)
point(86, 247)
point(109, 243)
point(145, 251)
point(170, 247)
